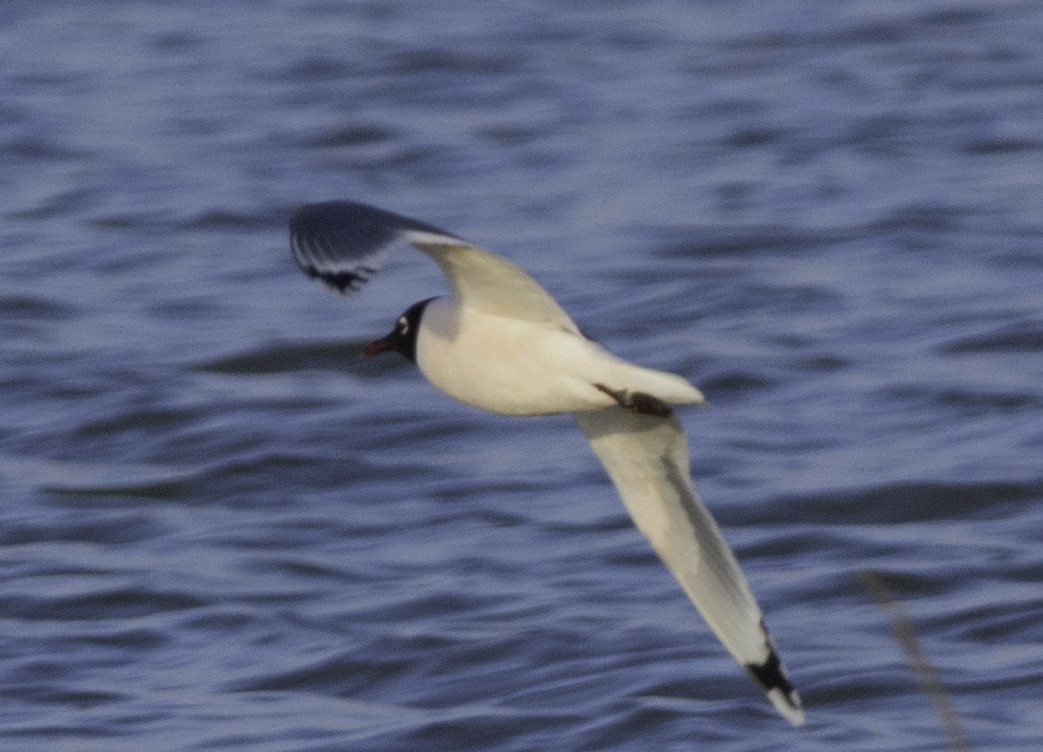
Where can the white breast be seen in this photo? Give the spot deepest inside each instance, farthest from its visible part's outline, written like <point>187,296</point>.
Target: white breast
<point>517,367</point>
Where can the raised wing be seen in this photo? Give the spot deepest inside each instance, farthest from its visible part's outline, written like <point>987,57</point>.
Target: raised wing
<point>647,459</point>
<point>342,244</point>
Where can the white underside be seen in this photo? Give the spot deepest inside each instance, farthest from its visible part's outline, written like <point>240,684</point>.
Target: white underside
<point>647,459</point>
<point>521,367</point>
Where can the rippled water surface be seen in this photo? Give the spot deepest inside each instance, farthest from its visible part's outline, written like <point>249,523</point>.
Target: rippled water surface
<point>222,529</point>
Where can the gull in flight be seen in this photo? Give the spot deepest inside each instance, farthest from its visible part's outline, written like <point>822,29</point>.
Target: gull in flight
<point>501,343</point>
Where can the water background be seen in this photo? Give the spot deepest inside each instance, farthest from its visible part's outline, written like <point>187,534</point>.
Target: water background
<point>221,529</point>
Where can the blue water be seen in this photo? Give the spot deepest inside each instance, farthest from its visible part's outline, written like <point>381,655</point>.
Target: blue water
<point>220,529</point>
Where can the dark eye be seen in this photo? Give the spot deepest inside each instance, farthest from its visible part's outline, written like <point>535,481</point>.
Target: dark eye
<point>403,325</point>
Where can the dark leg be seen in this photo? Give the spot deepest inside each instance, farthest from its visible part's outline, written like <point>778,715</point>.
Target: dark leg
<point>638,402</point>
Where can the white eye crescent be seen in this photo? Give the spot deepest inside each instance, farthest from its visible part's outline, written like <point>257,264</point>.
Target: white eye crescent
<point>403,325</point>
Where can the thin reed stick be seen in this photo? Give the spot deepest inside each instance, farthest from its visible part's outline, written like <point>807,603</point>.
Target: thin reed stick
<point>931,686</point>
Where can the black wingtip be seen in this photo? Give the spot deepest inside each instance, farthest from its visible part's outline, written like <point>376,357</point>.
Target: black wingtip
<point>771,676</point>
<point>343,282</point>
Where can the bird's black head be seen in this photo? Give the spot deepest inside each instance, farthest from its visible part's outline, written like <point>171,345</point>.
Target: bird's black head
<point>402,338</point>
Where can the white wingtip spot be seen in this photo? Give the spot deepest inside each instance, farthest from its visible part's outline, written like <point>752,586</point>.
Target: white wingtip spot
<point>788,706</point>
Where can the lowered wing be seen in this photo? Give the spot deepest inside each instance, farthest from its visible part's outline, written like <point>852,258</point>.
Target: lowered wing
<point>647,459</point>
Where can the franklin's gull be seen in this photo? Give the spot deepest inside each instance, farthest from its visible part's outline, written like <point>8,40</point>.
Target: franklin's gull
<point>501,343</point>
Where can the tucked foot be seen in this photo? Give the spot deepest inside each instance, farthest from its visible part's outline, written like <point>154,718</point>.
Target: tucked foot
<point>638,402</point>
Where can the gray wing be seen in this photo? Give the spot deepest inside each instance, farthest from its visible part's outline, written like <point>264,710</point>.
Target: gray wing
<point>647,459</point>
<point>343,243</point>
